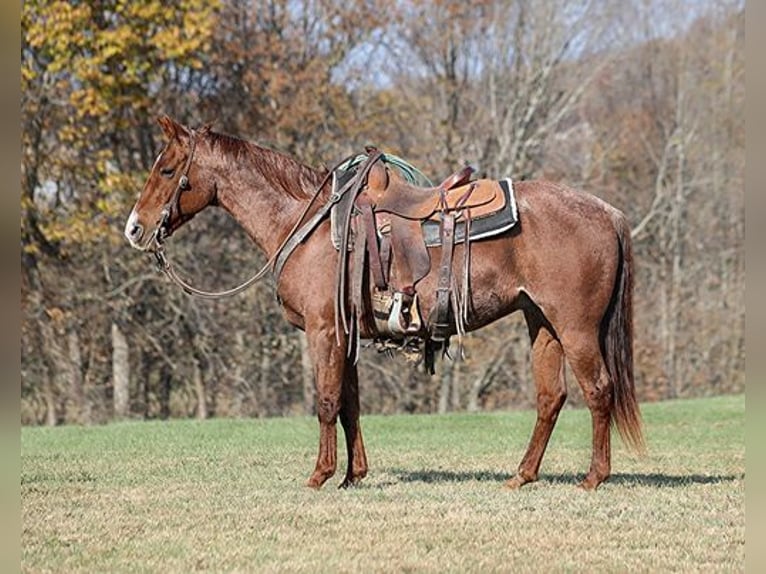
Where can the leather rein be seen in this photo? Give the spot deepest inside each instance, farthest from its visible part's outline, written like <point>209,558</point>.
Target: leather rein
<point>295,237</point>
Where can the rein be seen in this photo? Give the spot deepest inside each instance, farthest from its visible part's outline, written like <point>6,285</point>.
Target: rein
<point>295,236</point>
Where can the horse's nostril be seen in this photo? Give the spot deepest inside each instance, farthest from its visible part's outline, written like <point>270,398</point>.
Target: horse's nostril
<point>135,232</point>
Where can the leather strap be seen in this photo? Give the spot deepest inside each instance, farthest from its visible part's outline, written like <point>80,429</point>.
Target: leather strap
<point>359,258</point>
<point>299,237</point>
<point>465,196</point>
<point>376,263</point>
<point>440,330</point>
<point>354,186</point>
<point>465,294</point>
<point>385,257</point>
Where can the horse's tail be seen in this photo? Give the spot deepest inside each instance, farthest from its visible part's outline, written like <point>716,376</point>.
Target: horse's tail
<point>618,345</point>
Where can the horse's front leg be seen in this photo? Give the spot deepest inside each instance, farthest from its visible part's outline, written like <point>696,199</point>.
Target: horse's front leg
<point>349,418</point>
<point>329,361</point>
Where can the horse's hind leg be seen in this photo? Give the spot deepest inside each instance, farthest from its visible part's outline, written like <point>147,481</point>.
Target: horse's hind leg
<point>349,418</point>
<point>550,384</point>
<point>584,355</point>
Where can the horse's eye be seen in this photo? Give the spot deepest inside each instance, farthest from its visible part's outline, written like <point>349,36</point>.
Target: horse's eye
<point>167,171</point>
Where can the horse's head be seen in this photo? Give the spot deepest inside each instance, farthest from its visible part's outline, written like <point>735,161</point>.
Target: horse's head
<point>176,190</point>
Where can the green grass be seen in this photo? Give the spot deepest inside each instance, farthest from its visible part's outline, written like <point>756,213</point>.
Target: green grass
<point>228,495</point>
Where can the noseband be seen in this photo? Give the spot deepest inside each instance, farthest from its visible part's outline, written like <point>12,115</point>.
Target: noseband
<point>173,206</point>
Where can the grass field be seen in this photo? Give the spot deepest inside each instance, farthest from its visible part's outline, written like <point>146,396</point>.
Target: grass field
<point>228,495</point>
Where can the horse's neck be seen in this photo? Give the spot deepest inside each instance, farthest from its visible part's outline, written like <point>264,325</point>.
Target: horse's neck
<point>260,204</point>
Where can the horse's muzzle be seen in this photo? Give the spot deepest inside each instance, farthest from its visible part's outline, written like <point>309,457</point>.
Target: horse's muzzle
<point>136,233</point>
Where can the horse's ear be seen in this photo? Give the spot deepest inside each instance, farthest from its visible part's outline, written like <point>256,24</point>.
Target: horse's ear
<point>169,126</point>
<point>172,129</point>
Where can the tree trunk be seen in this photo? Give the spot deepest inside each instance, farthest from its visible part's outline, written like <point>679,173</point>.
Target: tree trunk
<point>456,386</point>
<point>199,390</point>
<point>445,386</point>
<point>238,400</point>
<point>166,378</point>
<point>57,368</point>
<point>50,398</point>
<point>665,319</point>
<point>120,373</point>
<point>264,379</point>
<point>142,384</point>
<point>77,410</point>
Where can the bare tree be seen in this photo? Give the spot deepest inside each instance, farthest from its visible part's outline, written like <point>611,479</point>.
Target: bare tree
<point>120,372</point>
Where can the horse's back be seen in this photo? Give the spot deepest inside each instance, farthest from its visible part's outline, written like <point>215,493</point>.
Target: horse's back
<point>555,202</point>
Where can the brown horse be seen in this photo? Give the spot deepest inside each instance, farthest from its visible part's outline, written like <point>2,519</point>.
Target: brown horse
<point>567,266</point>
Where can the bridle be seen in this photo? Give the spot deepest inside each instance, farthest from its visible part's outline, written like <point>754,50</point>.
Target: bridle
<point>173,206</point>
<point>294,238</point>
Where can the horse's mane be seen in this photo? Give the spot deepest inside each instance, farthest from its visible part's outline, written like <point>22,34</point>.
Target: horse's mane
<point>277,168</point>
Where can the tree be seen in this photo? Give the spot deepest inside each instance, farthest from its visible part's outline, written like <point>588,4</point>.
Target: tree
<point>91,73</point>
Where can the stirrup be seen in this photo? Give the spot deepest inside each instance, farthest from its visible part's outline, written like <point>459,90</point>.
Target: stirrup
<point>404,317</point>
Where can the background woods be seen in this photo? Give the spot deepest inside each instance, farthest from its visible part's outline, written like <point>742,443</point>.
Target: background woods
<point>638,102</point>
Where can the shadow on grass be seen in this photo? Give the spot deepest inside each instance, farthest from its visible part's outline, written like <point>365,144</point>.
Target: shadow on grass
<point>658,480</point>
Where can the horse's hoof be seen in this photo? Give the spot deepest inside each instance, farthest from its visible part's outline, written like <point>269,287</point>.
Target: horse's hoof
<point>515,482</point>
<point>316,481</point>
<point>350,482</point>
<point>591,483</point>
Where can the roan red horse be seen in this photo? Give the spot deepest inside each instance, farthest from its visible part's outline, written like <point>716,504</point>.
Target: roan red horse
<point>567,266</point>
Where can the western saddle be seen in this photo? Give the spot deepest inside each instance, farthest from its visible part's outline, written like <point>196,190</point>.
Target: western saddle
<point>378,221</point>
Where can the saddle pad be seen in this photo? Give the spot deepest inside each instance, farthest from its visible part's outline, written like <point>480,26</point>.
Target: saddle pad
<point>481,227</point>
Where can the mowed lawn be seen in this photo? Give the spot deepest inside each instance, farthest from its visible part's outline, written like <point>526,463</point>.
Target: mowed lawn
<point>228,495</point>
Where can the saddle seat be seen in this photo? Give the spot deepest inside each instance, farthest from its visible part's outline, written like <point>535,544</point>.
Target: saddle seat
<point>390,193</point>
